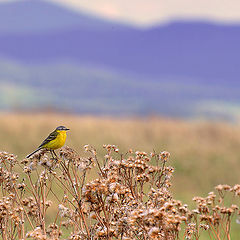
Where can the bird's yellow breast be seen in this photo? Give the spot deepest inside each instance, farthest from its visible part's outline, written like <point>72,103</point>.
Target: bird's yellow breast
<point>58,142</point>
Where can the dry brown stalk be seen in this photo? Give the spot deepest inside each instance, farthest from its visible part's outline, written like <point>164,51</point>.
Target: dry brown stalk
<point>130,199</point>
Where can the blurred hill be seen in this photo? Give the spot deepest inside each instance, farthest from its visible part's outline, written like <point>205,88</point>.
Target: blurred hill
<point>54,56</point>
<point>38,16</point>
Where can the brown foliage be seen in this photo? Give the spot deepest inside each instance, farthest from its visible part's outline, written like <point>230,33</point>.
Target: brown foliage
<point>128,199</point>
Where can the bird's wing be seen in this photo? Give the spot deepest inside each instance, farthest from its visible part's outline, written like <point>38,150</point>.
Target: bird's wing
<point>50,137</point>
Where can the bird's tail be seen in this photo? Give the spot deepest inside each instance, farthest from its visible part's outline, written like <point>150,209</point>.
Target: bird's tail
<point>29,155</point>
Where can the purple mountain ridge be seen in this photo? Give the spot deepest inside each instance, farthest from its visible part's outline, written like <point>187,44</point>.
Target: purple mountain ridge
<point>199,50</point>
<point>40,33</point>
<point>38,16</point>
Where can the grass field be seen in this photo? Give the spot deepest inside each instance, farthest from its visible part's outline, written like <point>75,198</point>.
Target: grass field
<point>203,154</point>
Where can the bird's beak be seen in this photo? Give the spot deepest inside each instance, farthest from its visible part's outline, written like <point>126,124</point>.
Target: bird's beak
<point>67,129</point>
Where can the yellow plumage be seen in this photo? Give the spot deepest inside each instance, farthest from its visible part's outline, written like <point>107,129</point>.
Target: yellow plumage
<point>58,142</point>
<point>55,140</point>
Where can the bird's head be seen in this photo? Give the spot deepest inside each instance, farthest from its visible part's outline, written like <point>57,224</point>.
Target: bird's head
<point>62,128</point>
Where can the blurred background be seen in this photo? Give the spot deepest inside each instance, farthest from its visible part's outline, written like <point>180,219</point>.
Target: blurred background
<point>148,75</point>
<point>115,57</point>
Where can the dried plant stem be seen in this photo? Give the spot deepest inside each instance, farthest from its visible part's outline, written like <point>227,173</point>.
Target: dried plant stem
<point>130,199</point>
<point>19,199</point>
<point>84,220</point>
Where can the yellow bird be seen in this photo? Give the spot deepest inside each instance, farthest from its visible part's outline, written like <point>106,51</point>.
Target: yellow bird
<point>55,140</point>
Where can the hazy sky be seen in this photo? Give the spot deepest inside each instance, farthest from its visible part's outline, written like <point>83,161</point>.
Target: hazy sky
<point>152,11</point>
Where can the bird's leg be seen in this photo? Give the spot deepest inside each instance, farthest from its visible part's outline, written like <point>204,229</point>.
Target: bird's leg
<point>55,154</point>
<point>51,151</point>
<point>58,160</point>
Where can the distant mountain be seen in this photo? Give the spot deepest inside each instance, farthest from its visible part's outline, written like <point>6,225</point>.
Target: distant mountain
<point>197,50</point>
<point>92,65</point>
<point>38,16</point>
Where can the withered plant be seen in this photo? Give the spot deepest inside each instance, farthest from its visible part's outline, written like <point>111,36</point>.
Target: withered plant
<point>123,196</point>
